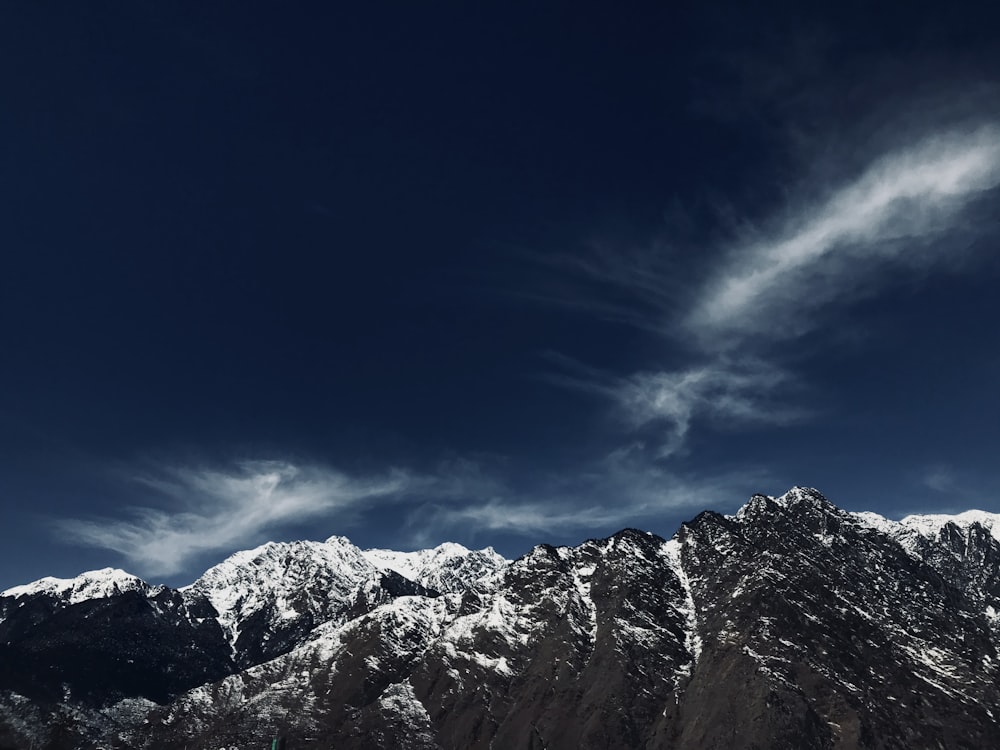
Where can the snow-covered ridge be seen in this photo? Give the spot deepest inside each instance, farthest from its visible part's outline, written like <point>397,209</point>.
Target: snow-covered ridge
<point>276,574</point>
<point>299,584</point>
<point>410,564</point>
<point>94,584</point>
<point>289,579</point>
<point>801,495</point>
<point>795,498</point>
<point>447,568</point>
<point>324,635</point>
<point>878,522</point>
<point>923,525</point>
<point>930,525</point>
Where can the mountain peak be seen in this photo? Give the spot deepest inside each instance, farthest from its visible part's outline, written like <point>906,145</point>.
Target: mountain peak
<point>93,584</point>
<point>930,525</point>
<point>798,497</point>
<point>796,500</point>
<point>338,541</point>
<point>810,627</point>
<point>447,568</point>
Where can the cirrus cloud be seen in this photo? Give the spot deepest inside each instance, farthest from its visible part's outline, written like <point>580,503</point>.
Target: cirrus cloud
<point>772,285</point>
<point>907,213</point>
<point>212,510</point>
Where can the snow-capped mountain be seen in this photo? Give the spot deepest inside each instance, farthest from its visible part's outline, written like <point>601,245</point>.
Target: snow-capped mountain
<point>790,624</point>
<point>931,525</point>
<point>95,584</point>
<point>104,636</point>
<point>448,568</point>
<point>269,598</point>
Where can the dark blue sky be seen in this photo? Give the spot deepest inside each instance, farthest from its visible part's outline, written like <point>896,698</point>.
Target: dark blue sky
<point>497,275</point>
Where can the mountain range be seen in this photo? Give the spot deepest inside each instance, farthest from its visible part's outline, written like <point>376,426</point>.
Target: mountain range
<point>790,624</point>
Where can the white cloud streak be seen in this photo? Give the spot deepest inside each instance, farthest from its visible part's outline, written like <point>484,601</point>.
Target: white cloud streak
<point>217,511</point>
<point>624,489</point>
<point>724,392</point>
<point>768,288</point>
<point>774,284</point>
<point>220,510</point>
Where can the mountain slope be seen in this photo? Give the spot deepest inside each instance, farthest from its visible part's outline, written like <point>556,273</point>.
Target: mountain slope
<point>127,639</point>
<point>269,598</point>
<point>838,637</point>
<point>792,624</point>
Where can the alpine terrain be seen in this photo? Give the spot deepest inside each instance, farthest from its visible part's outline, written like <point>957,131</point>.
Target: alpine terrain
<point>791,624</point>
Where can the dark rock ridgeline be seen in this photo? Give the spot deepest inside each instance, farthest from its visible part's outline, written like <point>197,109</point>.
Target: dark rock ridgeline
<point>790,625</point>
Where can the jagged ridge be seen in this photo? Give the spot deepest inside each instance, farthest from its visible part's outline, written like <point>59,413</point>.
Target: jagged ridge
<point>790,624</point>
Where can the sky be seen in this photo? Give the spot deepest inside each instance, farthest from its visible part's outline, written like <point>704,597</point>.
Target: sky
<point>499,274</point>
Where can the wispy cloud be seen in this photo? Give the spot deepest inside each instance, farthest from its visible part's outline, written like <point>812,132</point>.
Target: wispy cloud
<point>774,281</point>
<point>773,284</point>
<point>725,392</point>
<point>212,510</point>
<point>961,488</point>
<point>940,479</point>
<point>623,489</point>
<point>953,489</point>
<point>216,511</point>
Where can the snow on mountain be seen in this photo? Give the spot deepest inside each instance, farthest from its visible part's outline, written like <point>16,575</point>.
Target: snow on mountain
<point>331,673</point>
<point>819,601</point>
<point>270,597</point>
<point>447,568</point>
<point>930,525</point>
<point>926,536</point>
<point>279,586</point>
<point>673,553</point>
<point>798,496</point>
<point>800,624</point>
<point>877,522</point>
<point>395,673</point>
<point>94,584</point>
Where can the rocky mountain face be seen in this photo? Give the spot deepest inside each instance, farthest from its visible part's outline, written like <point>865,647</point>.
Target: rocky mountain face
<point>792,624</point>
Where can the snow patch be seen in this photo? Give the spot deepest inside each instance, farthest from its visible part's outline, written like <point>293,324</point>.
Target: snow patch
<point>94,584</point>
<point>581,582</point>
<point>692,640</point>
<point>447,568</point>
<point>877,522</point>
<point>930,525</point>
<point>280,577</point>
